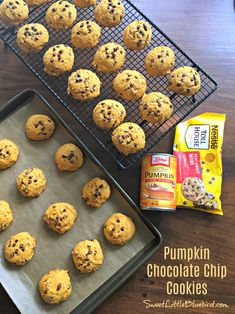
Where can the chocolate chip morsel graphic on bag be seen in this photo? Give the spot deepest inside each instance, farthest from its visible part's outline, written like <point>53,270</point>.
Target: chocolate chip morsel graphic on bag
<point>198,147</point>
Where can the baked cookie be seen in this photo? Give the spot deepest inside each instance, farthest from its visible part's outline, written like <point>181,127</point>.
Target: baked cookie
<point>20,248</point>
<point>128,138</point>
<point>208,201</point>
<point>14,12</point>
<point>55,286</point>
<point>184,81</point>
<point>8,153</point>
<point>37,2</point>
<point>137,35</point>
<point>87,256</point>
<point>32,37</point>
<point>130,85</point>
<point>96,192</point>
<point>155,108</point>
<point>6,215</point>
<point>58,60</point>
<point>39,127</point>
<point>109,58</point>
<point>83,85</point>
<point>61,15</point>
<point>119,229</point>
<point>84,3</point>
<point>85,34</point>
<point>109,113</point>
<point>69,157</point>
<point>159,61</point>
<point>31,182</point>
<point>109,12</point>
<point>193,188</point>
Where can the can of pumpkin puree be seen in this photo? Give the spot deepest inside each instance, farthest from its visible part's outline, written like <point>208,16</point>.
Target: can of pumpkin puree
<point>158,182</point>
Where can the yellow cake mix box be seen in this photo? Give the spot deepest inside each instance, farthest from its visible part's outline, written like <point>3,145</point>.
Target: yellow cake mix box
<point>198,148</point>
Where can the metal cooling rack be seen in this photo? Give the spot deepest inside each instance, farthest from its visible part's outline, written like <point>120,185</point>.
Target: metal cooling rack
<point>82,111</point>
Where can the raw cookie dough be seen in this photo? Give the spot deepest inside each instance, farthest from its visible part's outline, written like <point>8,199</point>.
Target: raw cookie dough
<point>130,85</point>
<point>109,12</point>
<point>159,61</point>
<point>128,138</point>
<point>8,153</point>
<point>55,286</point>
<point>109,58</point>
<point>87,256</point>
<point>193,188</point>
<point>31,182</point>
<point>83,85</point>
<point>69,157</point>
<point>184,81</point>
<point>58,59</point>
<point>6,215</point>
<point>39,127</point>
<point>85,34</point>
<point>95,192</point>
<point>119,229</point>
<point>155,108</point>
<point>37,2</point>
<point>84,3</point>
<point>20,248</point>
<point>137,35</point>
<point>14,12</point>
<point>109,113</point>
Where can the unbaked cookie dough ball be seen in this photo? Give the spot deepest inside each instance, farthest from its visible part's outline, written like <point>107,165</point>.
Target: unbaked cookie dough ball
<point>20,248</point>
<point>69,157</point>
<point>84,3</point>
<point>96,192</point>
<point>155,108</point>
<point>109,12</point>
<point>14,12</point>
<point>58,59</point>
<point>137,35</point>
<point>6,215</point>
<point>55,286</point>
<point>37,2</point>
<point>87,256</point>
<point>83,85</point>
<point>130,85</point>
<point>128,138</point>
<point>119,229</point>
<point>61,15</point>
<point>39,127</point>
<point>85,34</point>
<point>31,182</point>
<point>184,81</point>
<point>109,113</point>
<point>159,61</point>
<point>8,153</point>
<point>109,58</point>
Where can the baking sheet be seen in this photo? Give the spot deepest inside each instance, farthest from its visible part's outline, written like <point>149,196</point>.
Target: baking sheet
<point>54,250</point>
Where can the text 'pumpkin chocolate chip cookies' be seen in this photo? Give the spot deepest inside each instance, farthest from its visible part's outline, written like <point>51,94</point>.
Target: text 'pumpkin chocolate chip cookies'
<point>155,108</point>
<point>108,114</point>
<point>85,34</point>
<point>119,229</point>
<point>109,12</point>
<point>6,215</point>
<point>137,35</point>
<point>84,3</point>
<point>87,256</point>
<point>31,182</point>
<point>128,138</point>
<point>8,153</point>
<point>109,58</point>
<point>83,85</point>
<point>95,192</point>
<point>55,286</point>
<point>37,2</point>
<point>39,127</point>
<point>69,157</point>
<point>61,15</point>
<point>60,217</point>
<point>159,61</point>
<point>20,248</point>
<point>58,60</point>
<point>184,81</point>
<point>14,12</point>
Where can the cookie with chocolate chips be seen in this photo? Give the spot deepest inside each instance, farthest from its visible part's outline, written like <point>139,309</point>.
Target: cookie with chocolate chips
<point>85,34</point>
<point>109,12</point>
<point>96,192</point>
<point>39,127</point>
<point>69,157</point>
<point>6,215</point>
<point>8,153</point>
<point>193,189</point>
<point>84,3</point>
<point>13,12</point>
<point>31,182</point>
<point>159,61</point>
<point>137,35</point>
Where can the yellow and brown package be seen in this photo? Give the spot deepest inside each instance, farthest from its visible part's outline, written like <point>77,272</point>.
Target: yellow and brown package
<point>198,148</point>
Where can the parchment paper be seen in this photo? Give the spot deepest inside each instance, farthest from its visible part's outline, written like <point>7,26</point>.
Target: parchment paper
<point>54,250</point>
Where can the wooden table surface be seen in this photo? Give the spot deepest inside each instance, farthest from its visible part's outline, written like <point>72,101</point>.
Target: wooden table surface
<point>205,30</point>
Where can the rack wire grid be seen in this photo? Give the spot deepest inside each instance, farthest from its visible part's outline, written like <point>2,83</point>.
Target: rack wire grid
<point>82,111</point>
